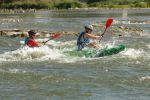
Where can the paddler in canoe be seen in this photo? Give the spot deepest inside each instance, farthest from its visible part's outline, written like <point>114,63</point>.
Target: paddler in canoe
<point>86,38</point>
<point>30,41</point>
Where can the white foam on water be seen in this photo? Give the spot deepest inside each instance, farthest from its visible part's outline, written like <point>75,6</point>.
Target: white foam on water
<point>37,54</point>
<point>14,70</point>
<point>144,78</point>
<point>133,53</point>
<point>129,22</point>
<point>110,44</point>
<point>148,46</point>
<point>46,53</point>
<point>27,53</point>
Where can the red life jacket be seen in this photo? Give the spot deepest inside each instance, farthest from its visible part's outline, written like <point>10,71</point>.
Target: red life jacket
<point>31,42</point>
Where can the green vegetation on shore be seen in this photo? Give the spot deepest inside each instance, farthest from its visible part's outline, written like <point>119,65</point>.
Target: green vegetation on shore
<point>65,4</point>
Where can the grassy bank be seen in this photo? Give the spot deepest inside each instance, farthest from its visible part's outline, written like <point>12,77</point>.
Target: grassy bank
<point>65,4</point>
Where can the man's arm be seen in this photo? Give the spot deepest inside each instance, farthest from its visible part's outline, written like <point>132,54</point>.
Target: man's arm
<point>93,36</point>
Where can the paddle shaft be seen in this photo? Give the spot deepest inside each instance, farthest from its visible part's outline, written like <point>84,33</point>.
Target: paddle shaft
<point>103,34</point>
<point>53,37</point>
<point>47,41</point>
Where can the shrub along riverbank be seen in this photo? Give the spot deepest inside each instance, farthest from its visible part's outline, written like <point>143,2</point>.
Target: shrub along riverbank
<point>65,4</point>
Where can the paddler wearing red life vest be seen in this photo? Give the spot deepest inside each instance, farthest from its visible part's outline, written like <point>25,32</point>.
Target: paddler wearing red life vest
<point>30,41</point>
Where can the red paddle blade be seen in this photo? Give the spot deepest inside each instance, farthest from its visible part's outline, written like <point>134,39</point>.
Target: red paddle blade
<point>108,23</point>
<point>55,36</point>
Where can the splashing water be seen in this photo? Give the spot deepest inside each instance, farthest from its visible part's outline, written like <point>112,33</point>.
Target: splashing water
<point>27,53</point>
<point>133,53</point>
<point>64,52</point>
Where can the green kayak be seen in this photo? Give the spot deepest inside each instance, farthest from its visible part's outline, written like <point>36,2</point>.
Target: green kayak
<point>96,53</point>
<point>111,51</point>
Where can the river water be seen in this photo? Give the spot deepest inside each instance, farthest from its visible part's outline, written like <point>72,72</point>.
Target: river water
<point>45,73</point>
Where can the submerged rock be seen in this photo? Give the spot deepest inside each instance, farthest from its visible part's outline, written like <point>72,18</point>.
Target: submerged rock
<point>21,33</point>
<point>114,29</point>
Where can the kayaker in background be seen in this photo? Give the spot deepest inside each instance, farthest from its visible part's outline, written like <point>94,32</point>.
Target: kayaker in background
<point>30,41</point>
<point>86,38</point>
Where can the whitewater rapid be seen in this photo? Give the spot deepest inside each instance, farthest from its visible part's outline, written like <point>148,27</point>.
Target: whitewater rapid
<point>54,53</point>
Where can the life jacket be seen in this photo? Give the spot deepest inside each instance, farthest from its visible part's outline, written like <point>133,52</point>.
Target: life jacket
<point>81,41</point>
<point>30,42</point>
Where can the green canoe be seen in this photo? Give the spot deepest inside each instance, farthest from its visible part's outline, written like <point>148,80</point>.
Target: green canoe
<point>96,53</point>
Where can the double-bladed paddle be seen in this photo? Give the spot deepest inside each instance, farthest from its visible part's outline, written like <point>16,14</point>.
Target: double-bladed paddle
<point>107,25</point>
<point>53,37</point>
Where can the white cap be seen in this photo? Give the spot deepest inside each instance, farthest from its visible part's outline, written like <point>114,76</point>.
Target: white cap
<point>89,27</point>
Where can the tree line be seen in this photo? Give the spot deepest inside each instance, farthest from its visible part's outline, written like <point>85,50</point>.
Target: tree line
<point>65,4</point>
